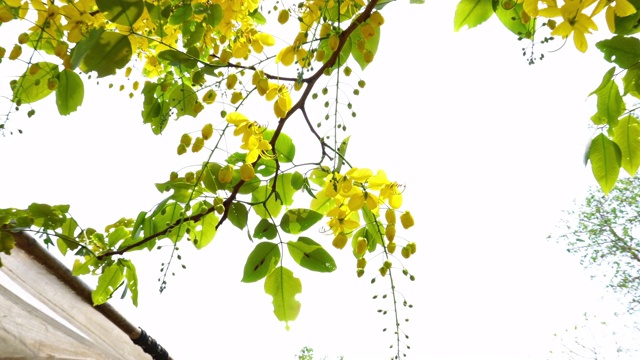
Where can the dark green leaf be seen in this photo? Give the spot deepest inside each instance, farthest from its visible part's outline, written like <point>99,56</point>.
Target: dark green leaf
<point>238,215</point>
<point>122,12</point>
<point>262,260</point>
<point>111,52</point>
<point>265,230</point>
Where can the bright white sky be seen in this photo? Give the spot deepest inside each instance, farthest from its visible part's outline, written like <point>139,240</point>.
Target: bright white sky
<point>490,149</point>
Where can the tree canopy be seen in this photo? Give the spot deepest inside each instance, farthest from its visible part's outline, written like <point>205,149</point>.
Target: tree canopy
<point>186,59</point>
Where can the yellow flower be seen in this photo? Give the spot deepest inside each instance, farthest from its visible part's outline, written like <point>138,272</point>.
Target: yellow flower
<point>575,21</point>
<point>621,8</point>
<point>251,133</point>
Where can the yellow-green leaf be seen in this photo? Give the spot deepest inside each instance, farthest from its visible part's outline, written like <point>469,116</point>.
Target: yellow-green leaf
<point>295,221</point>
<point>605,158</point>
<point>472,13</point>
<point>610,105</point>
<point>108,282</point>
<point>627,136</point>
<point>283,287</point>
<point>111,51</point>
<point>32,87</point>
<point>123,12</point>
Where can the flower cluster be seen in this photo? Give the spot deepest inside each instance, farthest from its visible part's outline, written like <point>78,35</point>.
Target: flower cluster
<point>251,133</point>
<point>574,19</point>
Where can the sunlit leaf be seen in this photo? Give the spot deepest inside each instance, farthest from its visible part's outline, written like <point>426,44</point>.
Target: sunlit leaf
<point>205,230</point>
<point>268,205</point>
<point>472,13</point>
<point>371,44</point>
<point>131,276</point>
<point>610,105</point>
<point>511,18</point>
<point>295,221</point>
<point>261,262</point>
<point>311,255</point>
<point>283,287</point>
<point>33,87</point>
<point>183,99</point>
<point>627,136</point>
<point>284,146</point>
<point>605,159</point>
<point>108,282</point>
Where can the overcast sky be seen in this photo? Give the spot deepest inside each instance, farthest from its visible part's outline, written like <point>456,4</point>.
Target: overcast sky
<point>489,147</point>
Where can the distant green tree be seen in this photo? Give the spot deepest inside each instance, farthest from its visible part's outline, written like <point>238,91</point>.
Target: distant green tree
<point>605,233</point>
<point>306,353</point>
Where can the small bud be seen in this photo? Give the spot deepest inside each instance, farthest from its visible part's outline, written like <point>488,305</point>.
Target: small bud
<point>407,220</point>
<point>340,241</point>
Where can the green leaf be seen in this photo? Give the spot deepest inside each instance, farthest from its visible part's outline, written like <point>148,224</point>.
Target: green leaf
<point>261,262</point>
<point>630,81</point>
<point>371,44</point>
<point>268,205</point>
<point>123,12</point>
<point>512,20</point>
<point>108,282</point>
<point>265,230</point>
<point>181,14</point>
<point>131,276</point>
<point>111,52</point>
<point>374,228</point>
<point>258,17</point>
<point>295,221</point>
<point>472,13</point>
<point>183,99</point>
<point>297,181</point>
<point>155,110</point>
<point>7,243</point>
<point>311,255</point>
<point>627,136</point>
<point>214,15</point>
<point>205,230</point>
<point>610,105</point>
<point>168,215</point>
<point>238,215</point>
<point>117,235</point>
<point>284,188</point>
<point>629,24</point>
<point>606,79</point>
<point>622,50</point>
<point>283,287</point>
<point>178,58</point>
<point>342,153</point>
<point>70,92</point>
<point>605,158</point>
<point>322,203</point>
<point>85,45</point>
<point>31,88</point>
<point>284,146</point>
